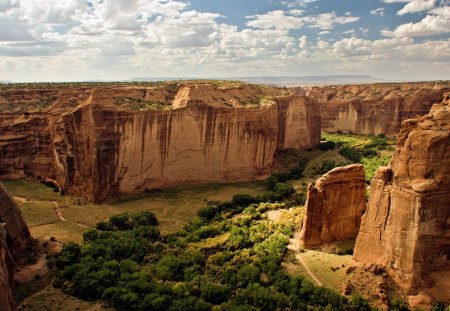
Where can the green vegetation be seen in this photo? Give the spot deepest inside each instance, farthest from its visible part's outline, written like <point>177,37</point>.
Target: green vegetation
<point>136,269</point>
<point>140,104</point>
<point>371,151</point>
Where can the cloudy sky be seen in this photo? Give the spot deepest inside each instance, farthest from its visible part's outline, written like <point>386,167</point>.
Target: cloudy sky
<point>69,40</point>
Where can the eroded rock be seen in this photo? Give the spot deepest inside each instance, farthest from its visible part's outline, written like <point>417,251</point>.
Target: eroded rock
<point>334,206</point>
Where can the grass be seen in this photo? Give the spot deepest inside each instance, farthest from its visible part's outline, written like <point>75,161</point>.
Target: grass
<point>330,269</point>
<point>38,213</point>
<point>173,207</point>
<point>381,146</point>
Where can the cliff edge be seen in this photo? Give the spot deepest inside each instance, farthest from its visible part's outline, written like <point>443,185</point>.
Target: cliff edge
<point>406,226</point>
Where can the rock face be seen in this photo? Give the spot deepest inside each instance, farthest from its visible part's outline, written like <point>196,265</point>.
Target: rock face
<point>6,274</point>
<point>17,233</point>
<point>406,226</point>
<point>334,206</point>
<point>97,142</point>
<point>375,108</point>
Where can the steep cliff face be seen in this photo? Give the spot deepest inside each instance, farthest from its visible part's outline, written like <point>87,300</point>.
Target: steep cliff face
<point>407,223</point>
<point>375,108</point>
<point>6,274</point>
<point>102,141</point>
<point>18,235</point>
<point>334,206</point>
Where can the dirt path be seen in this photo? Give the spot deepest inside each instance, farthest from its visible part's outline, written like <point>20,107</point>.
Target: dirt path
<point>59,211</point>
<point>60,215</point>
<point>294,246</point>
<point>27,300</point>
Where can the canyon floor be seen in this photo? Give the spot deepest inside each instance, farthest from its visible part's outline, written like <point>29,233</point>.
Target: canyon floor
<point>64,218</point>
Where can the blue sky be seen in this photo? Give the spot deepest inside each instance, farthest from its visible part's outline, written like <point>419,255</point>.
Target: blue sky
<point>70,40</point>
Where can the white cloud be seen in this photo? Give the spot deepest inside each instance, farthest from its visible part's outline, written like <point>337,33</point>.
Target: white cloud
<point>379,12</point>
<point>436,24</point>
<point>417,6</point>
<point>297,3</point>
<point>282,20</point>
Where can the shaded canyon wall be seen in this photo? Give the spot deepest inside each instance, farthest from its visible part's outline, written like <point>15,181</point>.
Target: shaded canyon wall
<point>375,108</point>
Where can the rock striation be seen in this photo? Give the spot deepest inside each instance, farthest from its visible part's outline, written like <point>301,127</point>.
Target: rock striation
<point>6,274</point>
<point>406,227</point>
<point>334,206</point>
<point>17,233</point>
<point>375,108</point>
<point>99,141</point>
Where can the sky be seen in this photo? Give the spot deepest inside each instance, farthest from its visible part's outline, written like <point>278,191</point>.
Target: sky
<point>79,40</point>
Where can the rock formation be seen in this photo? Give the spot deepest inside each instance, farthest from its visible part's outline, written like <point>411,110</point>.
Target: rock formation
<point>406,227</point>
<point>334,206</point>
<point>100,141</point>
<point>6,274</point>
<point>17,233</point>
<point>375,108</point>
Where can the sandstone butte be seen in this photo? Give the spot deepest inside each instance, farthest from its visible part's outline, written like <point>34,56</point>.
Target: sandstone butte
<point>406,227</point>
<point>98,141</point>
<point>375,108</point>
<point>14,238</point>
<point>334,206</point>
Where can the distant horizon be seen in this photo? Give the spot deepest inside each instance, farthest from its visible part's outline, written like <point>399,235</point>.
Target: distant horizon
<point>269,80</point>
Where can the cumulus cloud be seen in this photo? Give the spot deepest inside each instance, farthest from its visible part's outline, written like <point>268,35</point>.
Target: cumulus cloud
<point>436,23</point>
<point>417,6</point>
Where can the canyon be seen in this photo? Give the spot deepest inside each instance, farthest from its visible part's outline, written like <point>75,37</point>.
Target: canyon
<point>406,225</point>
<point>375,108</point>
<point>334,206</point>
<point>101,141</point>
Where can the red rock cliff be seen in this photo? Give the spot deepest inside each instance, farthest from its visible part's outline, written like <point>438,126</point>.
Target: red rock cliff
<point>6,274</point>
<point>407,223</point>
<point>334,206</point>
<point>101,141</point>
<point>375,108</point>
<point>18,235</point>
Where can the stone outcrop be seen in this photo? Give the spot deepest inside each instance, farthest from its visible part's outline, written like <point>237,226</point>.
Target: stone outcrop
<point>375,108</point>
<point>406,227</point>
<point>17,233</point>
<point>334,206</point>
<point>6,274</point>
<point>100,141</point>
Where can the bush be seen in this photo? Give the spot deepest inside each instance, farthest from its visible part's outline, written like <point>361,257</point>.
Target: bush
<point>351,154</point>
<point>327,145</point>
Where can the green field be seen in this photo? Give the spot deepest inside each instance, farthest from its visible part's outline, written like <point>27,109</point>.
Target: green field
<point>173,207</point>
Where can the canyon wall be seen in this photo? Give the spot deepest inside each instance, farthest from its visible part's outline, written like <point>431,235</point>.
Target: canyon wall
<point>6,274</point>
<point>334,206</point>
<point>375,108</point>
<point>406,226</point>
<point>99,142</point>
<point>18,235</point>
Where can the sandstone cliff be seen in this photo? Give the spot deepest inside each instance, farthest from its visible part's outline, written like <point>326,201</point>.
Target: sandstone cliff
<point>406,226</point>
<point>6,274</point>
<point>334,206</point>
<point>375,108</point>
<point>17,233</point>
<point>100,141</point>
